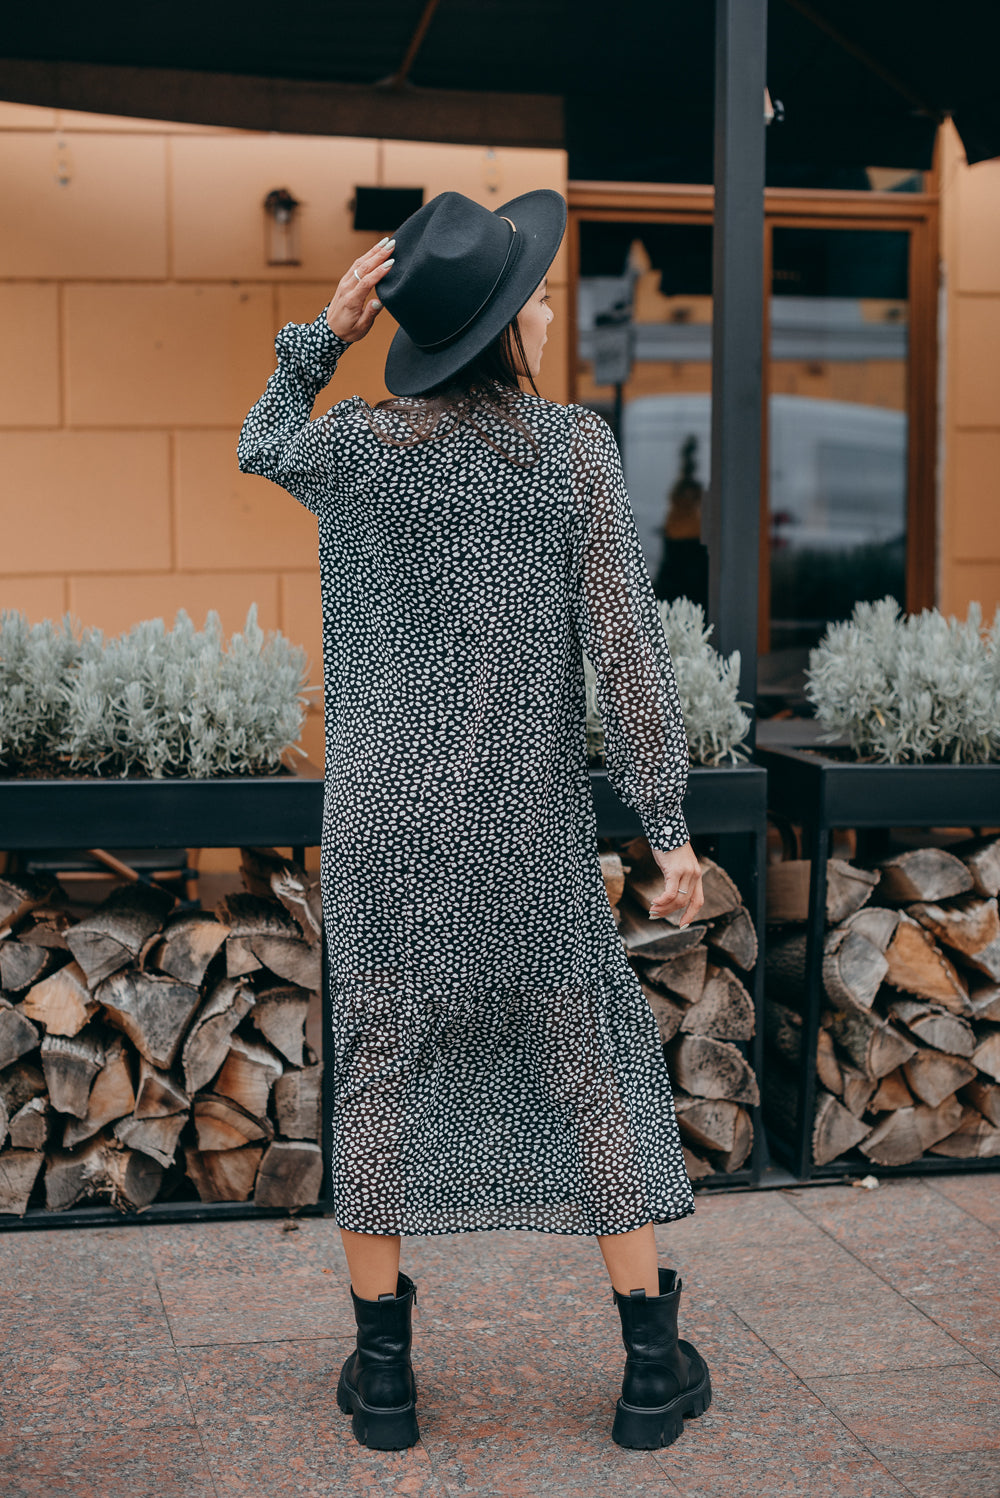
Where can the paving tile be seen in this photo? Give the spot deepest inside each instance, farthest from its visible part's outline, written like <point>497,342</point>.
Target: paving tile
<point>91,1259</point>
<point>166,1461</point>
<point>285,1459</point>
<point>74,1320</point>
<point>111,1390</point>
<point>788,1477</point>
<point>264,1380</point>
<point>255,1308</point>
<point>247,1247</point>
<point>977,1193</point>
<point>951,1474</point>
<point>919,1412</point>
<point>972,1319</point>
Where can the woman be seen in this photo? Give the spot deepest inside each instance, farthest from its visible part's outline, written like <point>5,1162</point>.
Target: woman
<point>496,1064</point>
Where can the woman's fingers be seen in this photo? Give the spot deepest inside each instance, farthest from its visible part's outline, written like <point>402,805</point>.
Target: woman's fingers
<point>351,312</point>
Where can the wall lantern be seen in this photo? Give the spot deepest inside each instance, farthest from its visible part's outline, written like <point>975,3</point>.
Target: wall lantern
<point>281,228</point>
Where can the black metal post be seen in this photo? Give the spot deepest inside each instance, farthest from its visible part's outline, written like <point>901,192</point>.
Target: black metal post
<point>817,840</point>
<point>731,520</point>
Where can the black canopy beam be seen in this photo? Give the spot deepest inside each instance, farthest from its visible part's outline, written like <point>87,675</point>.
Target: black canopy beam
<point>866,59</point>
<point>402,73</point>
<point>244,102</point>
<point>731,525</point>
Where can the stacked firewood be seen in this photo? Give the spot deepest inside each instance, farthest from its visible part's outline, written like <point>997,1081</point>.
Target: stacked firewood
<point>908,1059</point>
<point>702,1006</point>
<point>145,1045</point>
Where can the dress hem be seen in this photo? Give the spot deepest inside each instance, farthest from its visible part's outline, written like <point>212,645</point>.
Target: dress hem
<point>518,1227</point>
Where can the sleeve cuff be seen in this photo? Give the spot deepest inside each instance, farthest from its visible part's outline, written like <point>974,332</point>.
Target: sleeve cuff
<point>314,347</point>
<point>665,830</point>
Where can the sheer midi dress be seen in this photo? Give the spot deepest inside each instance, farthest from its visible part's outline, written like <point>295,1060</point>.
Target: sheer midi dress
<point>495,1062</point>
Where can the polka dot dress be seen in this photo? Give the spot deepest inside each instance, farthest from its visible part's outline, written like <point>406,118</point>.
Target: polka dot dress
<point>496,1064</point>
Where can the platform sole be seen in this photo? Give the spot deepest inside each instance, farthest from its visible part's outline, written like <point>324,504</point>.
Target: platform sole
<point>379,1429</point>
<point>645,1428</point>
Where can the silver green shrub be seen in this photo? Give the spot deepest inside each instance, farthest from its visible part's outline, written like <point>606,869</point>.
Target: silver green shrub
<point>909,687</point>
<point>158,701</point>
<point>34,662</point>
<point>707,684</point>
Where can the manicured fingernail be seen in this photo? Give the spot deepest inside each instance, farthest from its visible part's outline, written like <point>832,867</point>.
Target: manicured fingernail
<point>376,304</point>
<point>389,243</point>
<point>389,262</point>
<point>382,242</point>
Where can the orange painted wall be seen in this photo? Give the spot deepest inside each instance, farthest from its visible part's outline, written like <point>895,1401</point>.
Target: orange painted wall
<point>139,316</point>
<point>969,554</point>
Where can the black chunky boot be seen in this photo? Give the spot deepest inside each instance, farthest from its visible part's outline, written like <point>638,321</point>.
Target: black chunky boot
<point>665,1379</point>
<point>376,1382</point>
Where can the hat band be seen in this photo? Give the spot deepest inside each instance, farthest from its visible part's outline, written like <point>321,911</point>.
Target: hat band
<point>504,272</point>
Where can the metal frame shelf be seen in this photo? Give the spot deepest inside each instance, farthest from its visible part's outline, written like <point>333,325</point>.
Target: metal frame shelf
<point>286,811</point>
<point>822,793</point>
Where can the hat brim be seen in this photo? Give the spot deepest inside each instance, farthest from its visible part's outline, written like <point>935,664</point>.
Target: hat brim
<point>540,220</point>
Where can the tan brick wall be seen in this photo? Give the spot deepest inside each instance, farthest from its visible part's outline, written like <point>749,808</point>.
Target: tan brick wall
<point>139,315</point>
<point>970,426</point>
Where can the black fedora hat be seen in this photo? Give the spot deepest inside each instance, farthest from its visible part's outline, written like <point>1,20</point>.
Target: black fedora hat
<point>461,274</point>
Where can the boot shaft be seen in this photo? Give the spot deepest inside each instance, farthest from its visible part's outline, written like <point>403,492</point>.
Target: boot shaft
<point>656,1369</point>
<point>384,1371</point>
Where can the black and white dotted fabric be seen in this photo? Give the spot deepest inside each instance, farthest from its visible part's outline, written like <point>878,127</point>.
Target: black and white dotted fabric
<point>496,1064</point>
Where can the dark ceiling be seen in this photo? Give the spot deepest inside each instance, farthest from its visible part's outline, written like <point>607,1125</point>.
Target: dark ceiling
<point>863,82</point>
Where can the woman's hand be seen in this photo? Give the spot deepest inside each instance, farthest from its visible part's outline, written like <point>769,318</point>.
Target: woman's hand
<point>682,887</point>
<point>349,314</point>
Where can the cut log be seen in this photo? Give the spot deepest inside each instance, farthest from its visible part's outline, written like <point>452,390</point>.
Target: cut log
<point>255,915</point>
<point>22,893</point>
<point>875,923</point>
<point>904,1135</point>
<point>70,1064</point>
<point>101,1167</point>
<point>158,1094</point>
<point>934,1026</point>
<point>280,1015</point>
<point>111,1096</point>
<point>783,1035</point>
<point>828,1068</point>
<point>156,1137</point>
<point>981,857</point>
<point>986,1056</point>
<point>62,1003</point>
<point>207,1045</point>
<point>712,1068</point>
<point>974,1139</point>
<point>301,899</point>
<point>240,960</point>
<point>875,1047</point>
<point>613,875</point>
<point>707,1123</point>
<point>923,874</point>
<point>724,1010</point>
<point>290,958</point>
<point>858,1090</point>
<point>734,936</point>
<point>18,1035</point>
<point>970,925</point>
<point>985,1000</point>
<point>115,934</point>
<point>933,1076</point>
<point>985,1097</point>
<point>22,964</point>
<point>4,1123</point>
<point>892,1093</point>
<point>917,966</point>
<point>667,1014</point>
<point>189,942</point>
<point>19,1084</point>
<point>683,975</point>
<point>835,1129</point>
<point>853,969</point>
<point>785,967</point>
<point>153,1011</point>
<point>222,1124</point>
<point>734,1158</point>
<point>29,1126</point>
<point>18,1173</point>
<point>696,1167</point>
<point>290,1174</point>
<point>847,889</point>
<point>646,938</point>
<point>224,1175</point>
<point>259,865</point>
<point>297,1103</point>
<point>249,1072</point>
<point>48,930</point>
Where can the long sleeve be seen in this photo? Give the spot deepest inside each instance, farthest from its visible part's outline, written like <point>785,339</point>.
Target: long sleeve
<point>619,626</point>
<point>278,439</point>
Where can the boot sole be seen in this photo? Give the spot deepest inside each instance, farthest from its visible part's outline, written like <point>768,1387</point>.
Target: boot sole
<point>646,1428</point>
<point>378,1429</point>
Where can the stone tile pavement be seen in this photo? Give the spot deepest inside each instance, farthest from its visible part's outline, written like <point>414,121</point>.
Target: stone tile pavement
<point>853,1337</point>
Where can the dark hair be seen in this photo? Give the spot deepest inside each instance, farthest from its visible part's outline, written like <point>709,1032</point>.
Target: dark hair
<point>485,387</point>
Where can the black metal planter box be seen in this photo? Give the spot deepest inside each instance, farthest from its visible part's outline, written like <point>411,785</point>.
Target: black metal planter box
<point>286,811</point>
<point>821,792</point>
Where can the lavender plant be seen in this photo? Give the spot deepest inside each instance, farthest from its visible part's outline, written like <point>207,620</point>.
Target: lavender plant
<point>707,684</point>
<point>34,662</point>
<point>906,688</point>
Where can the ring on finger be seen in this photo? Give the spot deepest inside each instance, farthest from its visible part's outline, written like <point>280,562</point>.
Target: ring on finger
<point>356,276</point>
